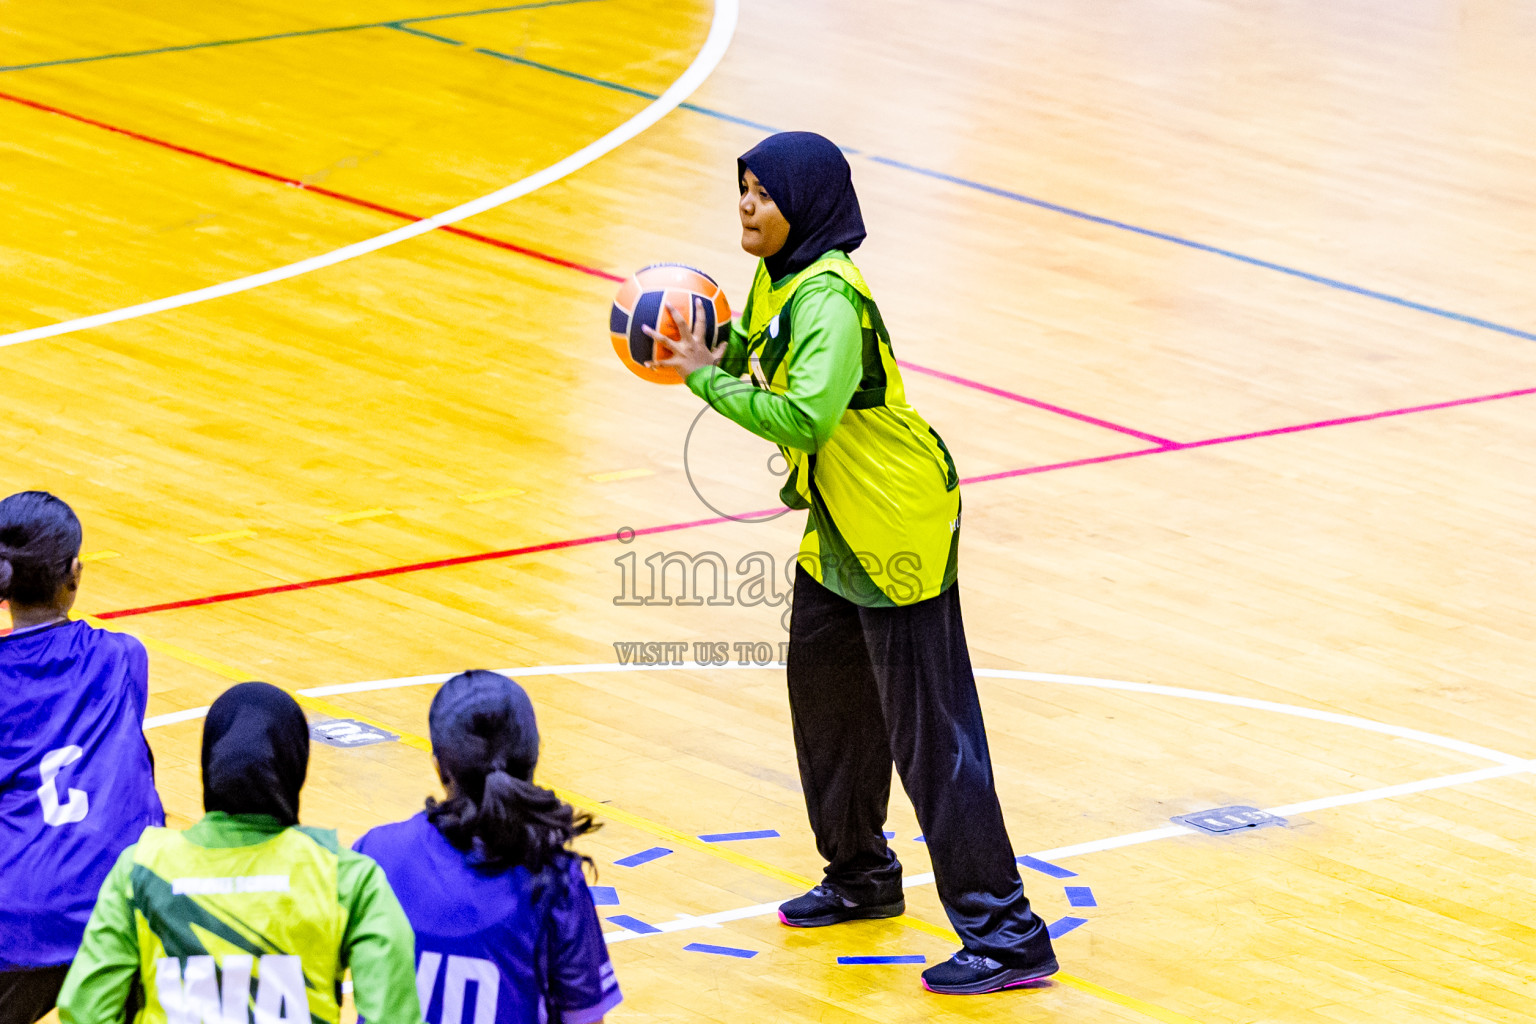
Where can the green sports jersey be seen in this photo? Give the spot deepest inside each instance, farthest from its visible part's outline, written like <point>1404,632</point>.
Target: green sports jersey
<point>882,490</point>
<point>240,919</point>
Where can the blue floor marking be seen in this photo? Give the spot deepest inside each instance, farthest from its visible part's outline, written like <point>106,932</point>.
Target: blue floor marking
<point>634,860</point>
<point>620,87</point>
<point>295,35</point>
<point>634,924</point>
<point>525,62</point>
<point>1054,870</point>
<point>730,837</point>
<point>604,895</point>
<point>1080,896</point>
<point>1043,204</point>
<point>704,947</point>
<point>1056,928</point>
<point>400,24</point>
<point>1202,247</point>
<point>914,958</point>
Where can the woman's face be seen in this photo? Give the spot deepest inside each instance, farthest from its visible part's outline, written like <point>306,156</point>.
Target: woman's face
<point>763,227</point>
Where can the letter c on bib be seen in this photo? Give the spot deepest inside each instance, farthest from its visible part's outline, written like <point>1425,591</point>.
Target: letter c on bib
<point>55,813</point>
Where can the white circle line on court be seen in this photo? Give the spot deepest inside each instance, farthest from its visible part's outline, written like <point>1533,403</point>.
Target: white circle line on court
<point>722,27</point>
<point>1505,764</point>
<point>1334,717</point>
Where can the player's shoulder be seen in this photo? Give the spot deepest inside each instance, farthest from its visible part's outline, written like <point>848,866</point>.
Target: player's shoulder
<point>382,841</point>
<point>124,643</point>
<point>825,286</point>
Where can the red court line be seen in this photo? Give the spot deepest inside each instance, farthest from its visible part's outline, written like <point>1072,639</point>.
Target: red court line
<point>441,563</point>
<point>513,247</point>
<point>329,193</point>
<point>486,556</point>
<point>1047,406</point>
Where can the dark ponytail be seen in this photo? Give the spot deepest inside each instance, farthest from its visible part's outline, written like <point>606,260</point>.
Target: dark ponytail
<point>39,542</point>
<point>486,742</point>
<point>514,822</point>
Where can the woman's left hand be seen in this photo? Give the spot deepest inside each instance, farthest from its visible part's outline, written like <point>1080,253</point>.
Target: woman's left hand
<point>691,350</point>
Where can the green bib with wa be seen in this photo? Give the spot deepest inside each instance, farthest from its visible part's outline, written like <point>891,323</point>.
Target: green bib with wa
<point>883,494</point>
<point>238,935</point>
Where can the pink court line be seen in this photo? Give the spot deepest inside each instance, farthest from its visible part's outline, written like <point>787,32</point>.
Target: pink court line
<point>1254,435</point>
<point>1161,442</point>
<point>487,556</point>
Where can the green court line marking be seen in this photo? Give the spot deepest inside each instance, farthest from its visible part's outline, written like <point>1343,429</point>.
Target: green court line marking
<point>397,23</point>
<point>401,26</point>
<point>719,115</point>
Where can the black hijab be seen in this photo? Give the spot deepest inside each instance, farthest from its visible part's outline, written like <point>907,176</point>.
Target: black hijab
<point>809,179</point>
<point>255,753</point>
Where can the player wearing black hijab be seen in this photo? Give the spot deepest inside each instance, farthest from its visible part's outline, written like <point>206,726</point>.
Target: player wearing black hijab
<point>247,907</point>
<point>879,670</point>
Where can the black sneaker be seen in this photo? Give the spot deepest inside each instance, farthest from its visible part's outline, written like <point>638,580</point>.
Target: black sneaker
<point>821,906</point>
<point>968,974</point>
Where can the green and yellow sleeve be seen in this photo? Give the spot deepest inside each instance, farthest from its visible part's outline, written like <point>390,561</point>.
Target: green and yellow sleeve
<point>378,943</point>
<point>825,364</point>
<point>96,988</point>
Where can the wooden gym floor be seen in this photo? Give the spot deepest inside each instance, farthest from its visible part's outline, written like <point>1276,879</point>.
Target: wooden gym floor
<point>1224,310</point>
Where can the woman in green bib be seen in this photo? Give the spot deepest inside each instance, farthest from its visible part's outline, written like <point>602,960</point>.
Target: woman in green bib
<point>878,665</point>
<point>247,917</point>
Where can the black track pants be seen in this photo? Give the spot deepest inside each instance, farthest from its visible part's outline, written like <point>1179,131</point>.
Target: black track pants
<point>27,993</point>
<point>872,686</point>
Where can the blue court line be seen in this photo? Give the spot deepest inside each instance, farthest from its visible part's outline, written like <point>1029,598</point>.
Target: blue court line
<point>730,837</point>
<point>621,87</point>
<point>296,34</point>
<point>1164,236</point>
<point>634,860</point>
<point>604,895</point>
<point>1056,929</point>
<point>915,958</point>
<point>1043,204</point>
<point>704,947</point>
<point>1080,896</point>
<point>401,26</point>
<point>1054,870</point>
<point>634,924</point>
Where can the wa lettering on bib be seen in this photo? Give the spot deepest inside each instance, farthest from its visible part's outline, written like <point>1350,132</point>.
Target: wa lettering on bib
<point>239,935</point>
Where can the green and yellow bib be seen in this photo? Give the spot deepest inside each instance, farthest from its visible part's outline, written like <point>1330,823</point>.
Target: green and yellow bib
<point>883,494</point>
<point>238,934</point>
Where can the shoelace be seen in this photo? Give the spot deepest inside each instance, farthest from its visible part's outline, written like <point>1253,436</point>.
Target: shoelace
<point>965,958</point>
<point>827,894</point>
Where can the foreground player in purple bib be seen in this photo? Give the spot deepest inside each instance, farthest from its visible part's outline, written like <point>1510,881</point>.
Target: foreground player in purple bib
<point>506,932</point>
<point>76,780</point>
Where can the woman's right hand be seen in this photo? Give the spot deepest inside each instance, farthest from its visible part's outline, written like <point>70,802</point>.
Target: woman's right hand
<point>690,351</point>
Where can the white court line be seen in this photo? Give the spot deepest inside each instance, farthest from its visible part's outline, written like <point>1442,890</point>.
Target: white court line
<point>721,28</point>
<point>688,923</point>
<point>1296,711</point>
<point>156,721</point>
<point>1504,764</point>
<point>1260,705</point>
